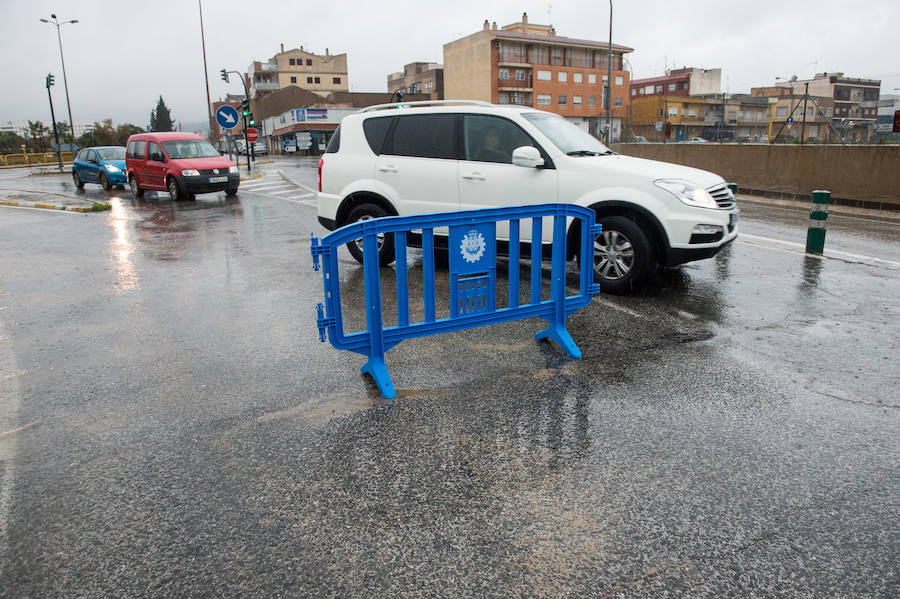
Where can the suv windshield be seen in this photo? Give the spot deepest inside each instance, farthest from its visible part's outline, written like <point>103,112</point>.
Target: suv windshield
<point>111,153</point>
<point>189,148</point>
<point>566,136</point>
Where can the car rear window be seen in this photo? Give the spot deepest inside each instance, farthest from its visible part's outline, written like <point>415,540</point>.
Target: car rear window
<point>424,136</point>
<point>334,144</point>
<point>376,130</point>
<point>136,149</point>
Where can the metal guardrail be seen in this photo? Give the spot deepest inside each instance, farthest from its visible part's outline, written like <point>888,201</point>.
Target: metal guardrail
<point>33,158</point>
<point>472,244</point>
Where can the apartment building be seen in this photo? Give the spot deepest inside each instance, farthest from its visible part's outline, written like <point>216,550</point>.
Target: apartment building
<point>687,81</point>
<point>321,74</point>
<point>855,102</point>
<point>530,65</point>
<point>418,78</point>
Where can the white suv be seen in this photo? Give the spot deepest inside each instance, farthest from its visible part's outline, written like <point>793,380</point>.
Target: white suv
<point>422,157</point>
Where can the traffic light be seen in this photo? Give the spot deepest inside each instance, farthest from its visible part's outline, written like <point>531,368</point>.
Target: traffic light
<point>245,107</point>
<point>224,75</point>
<point>250,119</point>
<point>50,79</point>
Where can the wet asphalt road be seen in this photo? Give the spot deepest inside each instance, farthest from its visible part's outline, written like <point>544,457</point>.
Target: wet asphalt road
<point>170,424</point>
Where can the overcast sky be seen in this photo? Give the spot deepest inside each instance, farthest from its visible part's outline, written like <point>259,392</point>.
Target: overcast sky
<point>123,54</point>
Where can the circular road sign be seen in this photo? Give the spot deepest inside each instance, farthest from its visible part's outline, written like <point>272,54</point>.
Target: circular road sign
<point>226,116</point>
<point>252,134</point>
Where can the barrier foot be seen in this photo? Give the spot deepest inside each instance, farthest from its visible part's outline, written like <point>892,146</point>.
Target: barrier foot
<point>377,369</point>
<point>561,336</point>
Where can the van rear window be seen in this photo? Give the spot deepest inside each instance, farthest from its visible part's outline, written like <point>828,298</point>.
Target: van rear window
<point>376,130</point>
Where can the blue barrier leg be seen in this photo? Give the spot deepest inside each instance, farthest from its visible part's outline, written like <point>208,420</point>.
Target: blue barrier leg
<point>375,367</point>
<point>557,329</point>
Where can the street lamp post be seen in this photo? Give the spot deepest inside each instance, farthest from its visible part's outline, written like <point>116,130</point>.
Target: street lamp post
<point>56,22</point>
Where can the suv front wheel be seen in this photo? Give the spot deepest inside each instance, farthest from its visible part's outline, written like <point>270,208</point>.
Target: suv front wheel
<point>385,242</point>
<point>623,255</point>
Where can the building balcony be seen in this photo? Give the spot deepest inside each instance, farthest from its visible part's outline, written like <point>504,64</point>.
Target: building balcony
<point>514,63</point>
<point>262,85</point>
<point>513,85</point>
<point>269,66</point>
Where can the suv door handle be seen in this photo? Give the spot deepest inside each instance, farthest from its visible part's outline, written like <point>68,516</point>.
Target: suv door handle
<point>387,169</point>
<point>474,177</point>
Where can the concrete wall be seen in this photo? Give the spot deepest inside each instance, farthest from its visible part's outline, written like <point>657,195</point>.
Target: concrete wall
<point>870,173</point>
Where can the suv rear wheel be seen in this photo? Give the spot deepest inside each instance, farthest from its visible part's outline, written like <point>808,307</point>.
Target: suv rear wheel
<point>623,255</point>
<point>385,242</point>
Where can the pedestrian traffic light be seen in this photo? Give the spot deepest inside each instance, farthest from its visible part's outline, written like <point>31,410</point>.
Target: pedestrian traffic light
<point>50,79</point>
<point>224,75</point>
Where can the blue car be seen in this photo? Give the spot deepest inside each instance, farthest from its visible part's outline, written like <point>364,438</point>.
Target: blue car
<point>104,165</point>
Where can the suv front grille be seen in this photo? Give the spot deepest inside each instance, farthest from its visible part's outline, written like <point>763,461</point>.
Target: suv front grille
<point>723,196</point>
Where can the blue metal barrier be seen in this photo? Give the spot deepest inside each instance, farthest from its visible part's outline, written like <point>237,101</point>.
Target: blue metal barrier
<point>472,245</point>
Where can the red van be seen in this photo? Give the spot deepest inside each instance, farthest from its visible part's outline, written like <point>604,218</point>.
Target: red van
<point>183,164</point>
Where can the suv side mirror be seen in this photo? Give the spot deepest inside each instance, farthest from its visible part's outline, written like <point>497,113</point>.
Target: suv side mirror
<point>527,156</point>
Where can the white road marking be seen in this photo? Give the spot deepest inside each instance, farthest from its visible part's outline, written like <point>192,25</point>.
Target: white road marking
<point>799,248</point>
<point>298,184</point>
<point>267,187</point>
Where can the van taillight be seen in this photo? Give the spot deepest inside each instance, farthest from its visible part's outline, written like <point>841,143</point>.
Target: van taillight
<point>320,173</point>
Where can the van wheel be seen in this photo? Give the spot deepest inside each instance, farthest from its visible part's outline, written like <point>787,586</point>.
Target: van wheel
<point>622,255</point>
<point>231,191</point>
<point>77,180</point>
<point>105,182</point>
<point>175,192</point>
<point>385,242</point>
<point>136,190</point>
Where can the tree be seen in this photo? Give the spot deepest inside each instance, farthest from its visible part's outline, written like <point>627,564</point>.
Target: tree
<point>11,143</point>
<point>36,131</point>
<point>126,130</point>
<point>161,118</point>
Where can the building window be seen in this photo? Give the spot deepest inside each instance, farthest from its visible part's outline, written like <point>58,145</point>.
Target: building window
<point>543,99</point>
<point>556,56</point>
<point>673,111</point>
<point>576,77</point>
<point>619,80</point>
<point>649,89</point>
<point>517,98</point>
<point>504,99</point>
<point>292,61</point>
<point>781,111</point>
<point>592,100</point>
<point>504,74</point>
<point>576,100</point>
<point>293,80</point>
<point>671,87</point>
<point>562,100</point>
<point>633,92</point>
<point>545,76</point>
<point>309,79</point>
<point>619,102</point>
<point>308,62</point>
<point>592,78</point>
<point>520,75</point>
<point>562,76</point>
<point>659,89</point>
<point>692,112</point>
<point>605,78</point>
<point>317,80</point>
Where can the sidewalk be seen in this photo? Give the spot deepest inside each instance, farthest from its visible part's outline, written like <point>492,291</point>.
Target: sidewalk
<point>49,201</point>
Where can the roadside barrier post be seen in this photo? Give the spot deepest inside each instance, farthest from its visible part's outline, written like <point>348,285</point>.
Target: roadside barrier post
<point>815,234</point>
<point>472,239</point>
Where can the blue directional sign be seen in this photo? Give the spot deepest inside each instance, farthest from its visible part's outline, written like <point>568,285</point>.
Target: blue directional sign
<point>790,120</point>
<point>226,116</point>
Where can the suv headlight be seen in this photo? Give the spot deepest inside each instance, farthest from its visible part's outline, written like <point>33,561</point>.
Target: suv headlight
<point>190,172</point>
<point>233,169</point>
<point>687,192</point>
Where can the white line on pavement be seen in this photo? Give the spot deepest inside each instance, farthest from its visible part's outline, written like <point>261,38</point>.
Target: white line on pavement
<point>798,248</point>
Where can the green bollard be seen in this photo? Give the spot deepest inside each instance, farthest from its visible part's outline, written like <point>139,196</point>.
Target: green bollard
<point>815,234</point>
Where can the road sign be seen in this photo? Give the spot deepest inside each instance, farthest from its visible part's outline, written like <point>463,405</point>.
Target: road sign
<point>790,120</point>
<point>252,134</point>
<point>303,136</point>
<point>226,116</point>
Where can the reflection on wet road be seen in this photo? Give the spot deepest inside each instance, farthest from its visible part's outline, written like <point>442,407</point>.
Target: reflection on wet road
<point>730,431</point>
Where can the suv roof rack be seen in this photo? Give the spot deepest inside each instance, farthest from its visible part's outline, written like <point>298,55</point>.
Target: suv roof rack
<point>396,105</point>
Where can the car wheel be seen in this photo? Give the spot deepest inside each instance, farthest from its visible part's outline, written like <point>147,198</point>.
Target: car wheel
<point>77,180</point>
<point>105,182</point>
<point>231,191</point>
<point>622,255</point>
<point>175,192</point>
<point>136,190</point>
<point>385,242</point>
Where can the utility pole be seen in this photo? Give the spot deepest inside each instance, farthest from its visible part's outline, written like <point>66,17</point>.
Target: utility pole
<point>205,70</point>
<point>245,109</point>
<point>53,120</point>
<point>803,125</point>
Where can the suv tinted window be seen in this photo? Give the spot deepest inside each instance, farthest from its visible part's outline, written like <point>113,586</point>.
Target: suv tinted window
<point>424,136</point>
<point>492,139</point>
<point>335,143</point>
<point>91,156</point>
<point>136,149</point>
<point>375,130</point>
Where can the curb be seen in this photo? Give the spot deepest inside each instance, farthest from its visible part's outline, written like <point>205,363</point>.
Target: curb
<point>49,206</point>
